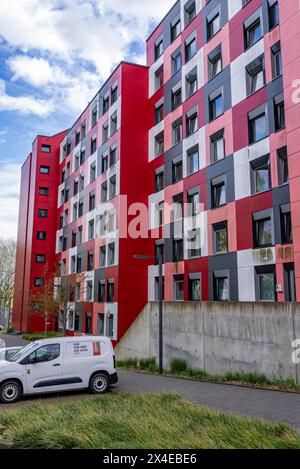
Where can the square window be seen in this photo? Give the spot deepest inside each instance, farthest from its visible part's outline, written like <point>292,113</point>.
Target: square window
<point>44,169</point>
<point>44,190</point>
<point>46,148</point>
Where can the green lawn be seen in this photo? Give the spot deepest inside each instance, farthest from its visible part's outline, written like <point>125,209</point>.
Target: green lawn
<point>137,421</point>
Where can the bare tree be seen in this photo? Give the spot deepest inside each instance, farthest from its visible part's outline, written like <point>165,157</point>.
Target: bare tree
<point>7,272</point>
<point>55,299</point>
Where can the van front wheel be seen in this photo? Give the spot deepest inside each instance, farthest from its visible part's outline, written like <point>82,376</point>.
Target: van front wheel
<point>99,383</point>
<point>10,392</point>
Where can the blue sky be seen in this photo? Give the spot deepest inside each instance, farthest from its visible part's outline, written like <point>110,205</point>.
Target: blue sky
<point>54,55</point>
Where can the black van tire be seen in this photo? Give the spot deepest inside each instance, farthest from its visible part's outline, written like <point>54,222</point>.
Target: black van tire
<point>99,383</point>
<point>10,392</point>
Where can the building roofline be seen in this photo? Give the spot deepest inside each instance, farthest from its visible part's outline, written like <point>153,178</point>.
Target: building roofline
<point>123,62</point>
<point>161,21</point>
<point>29,156</point>
<point>49,136</point>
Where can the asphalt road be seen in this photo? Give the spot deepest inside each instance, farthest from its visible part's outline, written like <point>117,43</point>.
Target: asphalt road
<point>271,405</point>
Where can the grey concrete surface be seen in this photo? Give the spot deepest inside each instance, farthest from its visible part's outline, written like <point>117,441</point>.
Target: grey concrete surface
<point>219,337</point>
<point>12,340</point>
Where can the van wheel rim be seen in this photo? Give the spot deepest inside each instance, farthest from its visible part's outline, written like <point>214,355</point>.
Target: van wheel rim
<point>10,392</point>
<point>99,383</point>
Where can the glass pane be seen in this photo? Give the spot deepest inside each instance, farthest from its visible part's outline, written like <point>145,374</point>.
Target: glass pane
<point>260,128</point>
<point>196,290</point>
<point>223,289</point>
<point>262,179</point>
<point>266,287</point>
<point>265,232</point>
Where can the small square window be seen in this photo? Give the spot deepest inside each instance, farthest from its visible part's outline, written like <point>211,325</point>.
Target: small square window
<point>46,148</point>
<point>44,190</point>
<point>44,169</point>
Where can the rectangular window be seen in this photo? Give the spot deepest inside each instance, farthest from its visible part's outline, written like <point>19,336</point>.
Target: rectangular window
<point>93,145</point>
<point>193,243</point>
<point>290,287</point>
<point>159,113</point>
<point>104,166</point>
<point>193,160</point>
<point>159,251</point>
<point>255,75</point>
<point>218,193</point>
<point>215,106</point>
<point>191,123</point>
<point>190,12</point>
<point>104,192</point>
<point>89,297</point>
<point>266,284</point>
<point>90,261</point>
<point>283,169</point>
<point>105,104</point>
<point>105,132</point>
<point>80,235</point>
<point>194,289</point>
<point>40,258</point>
<point>39,282</point>
<point>286,224</point>
<point>177,250</point>
<point>110,291</point>
<point>159,78</point>
<point>158,49</point>
<point>102,256</point>
<point>213,26</point>
<point>190,49</point>
<point>177,171</point>
<point>177,207</point>
<point>176,63</point>
<point>252,33</point>
<point>217,146</point>
<point>114,94</point>
<point>191,84</point>
<point>176,98</point>
<point>74,238</point>
<point>42,213</point>
<point>159,144</point>
<point>91,229</point>
<point>83,130</point>
<point>112,187</point>
<point>177,131</point>
<point>111,254</point>
<point>101,294</point>
<point>44,190</point>
<point>261,174</point>
<point>41,235</point>
<point>159,181</point>
<point>46,148</point>
<point>44,169</point>
<point>221,288</point>
<point>193,201</point>
<point>279,113</point>
<point>113,123</point>
<point>178,288</point>
<point>276,60</point>
<point>77,137</point>
<point>215,63</point>
<point>112,156</point>
<point>263,232</point>
<point>175,30</point>
<point>94,116</point>
<point>93,172</point>
<point>220,232</point>
<point>258,127</point>
<point>92,201</point>
<point>80,209</point>
<point>273,14</point>
<point>82,156</point>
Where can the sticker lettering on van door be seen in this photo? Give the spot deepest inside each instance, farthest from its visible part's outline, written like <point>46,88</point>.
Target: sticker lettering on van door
<point>86,349</point>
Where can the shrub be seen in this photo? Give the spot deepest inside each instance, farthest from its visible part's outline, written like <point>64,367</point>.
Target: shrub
<point>41,335</point>
<point>144,363</point>
<point>178,365</point>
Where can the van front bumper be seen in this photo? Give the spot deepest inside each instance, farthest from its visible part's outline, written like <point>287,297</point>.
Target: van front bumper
<point>113,379</point>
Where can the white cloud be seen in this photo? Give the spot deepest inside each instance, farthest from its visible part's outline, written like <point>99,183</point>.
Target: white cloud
<point>9,195</point>
<point>61,39</point>
<point>23,104</point>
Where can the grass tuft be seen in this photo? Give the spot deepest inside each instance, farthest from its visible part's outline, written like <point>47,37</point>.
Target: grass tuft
<point>147,421</point>
<point>41,335</point>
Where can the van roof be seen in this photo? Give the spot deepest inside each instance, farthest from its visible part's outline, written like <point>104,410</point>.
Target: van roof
<point>73,338</point>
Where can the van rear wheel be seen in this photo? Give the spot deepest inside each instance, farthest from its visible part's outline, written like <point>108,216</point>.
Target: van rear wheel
<point>10,392</point>
<point>99,383</point>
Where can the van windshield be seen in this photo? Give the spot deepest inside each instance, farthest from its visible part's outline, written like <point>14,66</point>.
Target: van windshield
<point>22,352</point>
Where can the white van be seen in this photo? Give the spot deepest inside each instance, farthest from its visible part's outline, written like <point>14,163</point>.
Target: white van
<point>59,364</point>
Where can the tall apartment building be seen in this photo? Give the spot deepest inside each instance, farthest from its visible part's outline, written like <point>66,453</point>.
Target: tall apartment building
<point>36,229</point>
<point>224,139</point>
<point>208,136</point>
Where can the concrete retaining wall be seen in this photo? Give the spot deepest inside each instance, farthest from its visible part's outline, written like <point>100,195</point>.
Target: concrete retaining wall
<point>220,337</point>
